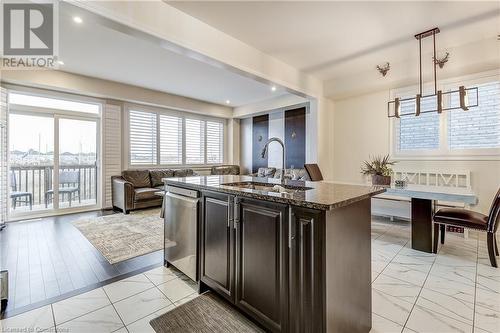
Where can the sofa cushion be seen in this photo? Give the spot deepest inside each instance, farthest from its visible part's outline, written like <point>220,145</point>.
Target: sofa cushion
<point>266,172</point>
<point>158,174</point>
<point>145,193</point>
<point>293,174</point>
<point>184,173</point>
<point>225,170</point>
<point>138,178</point>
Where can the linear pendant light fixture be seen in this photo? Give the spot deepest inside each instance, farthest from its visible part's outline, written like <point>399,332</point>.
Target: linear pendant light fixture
<point>462,91</point>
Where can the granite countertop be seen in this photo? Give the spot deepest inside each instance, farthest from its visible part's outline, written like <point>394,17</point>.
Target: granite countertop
<point>322,195</point>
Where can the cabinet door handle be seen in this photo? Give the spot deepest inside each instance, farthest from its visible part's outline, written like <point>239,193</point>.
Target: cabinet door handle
<point>290,237</point>
<point>230,211</point>
<point>236,212</point>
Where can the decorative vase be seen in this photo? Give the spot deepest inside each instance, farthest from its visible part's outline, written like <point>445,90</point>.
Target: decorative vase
<point>381,180</point>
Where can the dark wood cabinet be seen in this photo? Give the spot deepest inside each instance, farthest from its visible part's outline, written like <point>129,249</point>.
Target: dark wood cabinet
<point>267,259</point>
<point>217,243</point>
<point>262,262</point>
<point>307,275</point>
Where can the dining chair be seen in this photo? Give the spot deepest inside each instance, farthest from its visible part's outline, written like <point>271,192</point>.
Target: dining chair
<point>314,172</point>
<point>470,220</point>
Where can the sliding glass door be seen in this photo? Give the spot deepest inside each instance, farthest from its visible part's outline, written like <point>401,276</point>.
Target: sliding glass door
<point>31,161</point>
<point>53,159</point>
<point>77,162</point>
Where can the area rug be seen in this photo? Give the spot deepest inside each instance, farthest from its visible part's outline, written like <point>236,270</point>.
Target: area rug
<point>206,313</point>
<point>120,237</point>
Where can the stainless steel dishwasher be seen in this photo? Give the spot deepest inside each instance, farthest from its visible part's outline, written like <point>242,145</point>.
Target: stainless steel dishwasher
<point>181,224</point>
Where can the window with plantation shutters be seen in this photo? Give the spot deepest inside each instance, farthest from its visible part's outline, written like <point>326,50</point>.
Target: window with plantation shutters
<point>215,142</point>
<point>162,137</point>
<point>170,139</point>
<point>143,134</point>
<point>479,127</point>
<point>418,133</point>
<point>195,141</point>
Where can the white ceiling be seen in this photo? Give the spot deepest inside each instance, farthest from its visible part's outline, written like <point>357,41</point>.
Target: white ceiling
<point>97,50</point>
<point>336,39</point>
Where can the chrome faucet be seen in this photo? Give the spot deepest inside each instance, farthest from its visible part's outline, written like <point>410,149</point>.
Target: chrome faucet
<point>264,151</point>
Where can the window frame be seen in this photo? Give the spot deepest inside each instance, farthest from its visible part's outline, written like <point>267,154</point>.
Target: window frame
<point>26,109</point>
<point>56,115</point>
<point>443,152</point>
<point>176,113</point>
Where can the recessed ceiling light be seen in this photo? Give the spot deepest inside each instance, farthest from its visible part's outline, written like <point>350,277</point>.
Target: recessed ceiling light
<point>228,101</point>
<point>273,88</point>
<point>77,19</point>
<point>60,62</point>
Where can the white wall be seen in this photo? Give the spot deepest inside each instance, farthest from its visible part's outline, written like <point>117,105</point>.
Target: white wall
<point>90,86</point>
<point>233,141</point>
<point>361,128</point>
<point>246,128</point>
<point>464,60</point>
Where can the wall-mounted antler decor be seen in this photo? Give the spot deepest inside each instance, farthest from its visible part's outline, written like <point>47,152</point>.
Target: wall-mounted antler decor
<point>442,61</point>
<point>384,69</point>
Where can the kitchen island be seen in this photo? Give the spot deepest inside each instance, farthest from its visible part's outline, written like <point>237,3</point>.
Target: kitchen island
<point>295,257</point>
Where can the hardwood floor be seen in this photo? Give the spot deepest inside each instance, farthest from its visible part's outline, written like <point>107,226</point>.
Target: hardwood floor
<point>49,259</point>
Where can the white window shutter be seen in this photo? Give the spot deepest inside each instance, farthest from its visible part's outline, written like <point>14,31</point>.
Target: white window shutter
<point>143,138</point>
<point>170,139</point>
<point>479,127</point>
<point>215,142</point>
<point>112,148</point>
<point>3,155</point>
<point>418,133</point>
<point>195,141</point>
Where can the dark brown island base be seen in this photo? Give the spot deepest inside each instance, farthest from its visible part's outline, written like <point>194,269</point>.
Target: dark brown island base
<point>295,258</point>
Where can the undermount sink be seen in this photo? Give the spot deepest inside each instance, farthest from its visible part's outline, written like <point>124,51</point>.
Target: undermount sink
<point>266,187</point>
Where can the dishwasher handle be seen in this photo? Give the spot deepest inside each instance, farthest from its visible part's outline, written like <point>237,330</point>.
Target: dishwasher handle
<point>186,200</point>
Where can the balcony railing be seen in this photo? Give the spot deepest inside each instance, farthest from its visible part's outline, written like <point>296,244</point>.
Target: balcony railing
<point>38,179</point>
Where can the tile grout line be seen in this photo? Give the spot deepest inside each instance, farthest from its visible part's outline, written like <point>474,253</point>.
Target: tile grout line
<point>86,313</point>
<point>475,288</point>
<point>122,299</point>
<point>135,321</point>
<point>155,286</point>
<point>381,273</point>
<point>402,326</point>
<point>53,317</point>
<point>117,313</point>
<point>441,314</point>
<point>420,291</point>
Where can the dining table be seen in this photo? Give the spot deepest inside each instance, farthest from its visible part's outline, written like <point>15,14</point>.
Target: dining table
<point>424,201</point>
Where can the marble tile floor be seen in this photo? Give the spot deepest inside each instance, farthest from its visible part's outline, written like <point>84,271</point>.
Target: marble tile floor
<point>453,291</point>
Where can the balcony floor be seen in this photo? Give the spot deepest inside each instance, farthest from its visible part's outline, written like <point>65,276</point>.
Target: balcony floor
<point>39,208</point>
